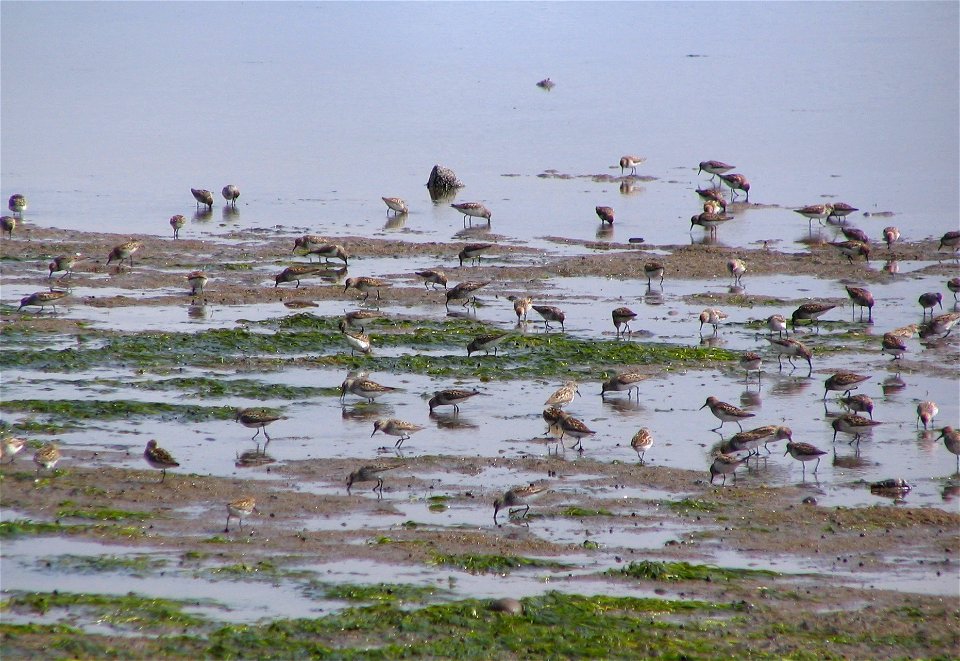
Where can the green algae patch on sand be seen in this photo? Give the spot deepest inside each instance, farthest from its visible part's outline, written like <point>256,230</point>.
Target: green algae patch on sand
<point>103,514</point>
<point>377,593</point>
<point>121,610</point>
<point>136,565</point>
<point>684,571</point>
<point>90,409</point>
<point>551,626</point>
<point>498,564</point>
<point>581,513</point>
<point>226,388</point>
<point>26,527</point>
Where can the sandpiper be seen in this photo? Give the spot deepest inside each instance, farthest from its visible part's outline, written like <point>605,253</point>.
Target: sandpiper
<point>710,221</point>
<point>43,299</point>
<point>177,222</point>
<point>202,196</point>
<point>521,306</point>
<point>804,452</point>
<point>712,316</point>
<point>433,278</point>
<point>862,297</point>
<point>855,234</point>
<point>622,317</point>
<point>46,457</point>
<point>926,412</point>
<point>641,442</point>
<point>552,415</point>
<point>751,439</point>
<point>630,162</point>
<point>357,341</point>
<point>239,508</point>
<point>777,323</point>
<point>124,251</point>
<point>157,457</point>
<point>370,473</point>
<point>858,404</point>
<point>713,194</point>
<point>725,464</point>
<point>8,224</point>
<point>853,424</point>
<point>950,240</point>
<point>605,214</point>
<point>546,84</point>
<point>953,284</point>
<point>942,324</point>
<point>570,426</point>
<point>63,263</point>
<point>451,397</point>
<point>463,291</point>
<point>395,204</point>
<point>894,345</point>
<point>257,418</point>
<point>726,412</point>
<point>10,447</point>
<point>736,268</point>
<point>329,251</point>
<point>472,210</point>
<point>842,381</point>
<point>653,270</point>
<point>368,389</point>
<point>472,251</point>
<point>624,381</point>
<point>751,361</point>
<point>712,206</point>
<point>356,318</point>
<point>818,212</point>
<point>851,249</point>
<point>308,242</point>
<point>197,280</point>
<point>17,204</point>
<point>295,273</point>
<point>564,395</point>
<point>930,300</point>
<point>516,498</point>
<point>841,210</point>
<point>736,182</point>
<point>789,347</point>
<point>715,167</point>
<point>551,313</point>
<point>365,285</point>
<point>951,439</point>
<point>890,236</point>
<point>811,312</point>
<point>230,194</point>
<point>485,342</point>
<point>396,427</point>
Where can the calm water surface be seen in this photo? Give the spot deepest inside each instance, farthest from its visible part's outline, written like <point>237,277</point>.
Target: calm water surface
<point>112,111</point>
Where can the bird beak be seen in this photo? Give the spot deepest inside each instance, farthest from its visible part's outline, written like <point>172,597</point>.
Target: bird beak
<point>702,407</point>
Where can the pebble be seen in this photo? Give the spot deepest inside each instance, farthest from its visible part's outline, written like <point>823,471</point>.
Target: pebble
<point>506,605</point>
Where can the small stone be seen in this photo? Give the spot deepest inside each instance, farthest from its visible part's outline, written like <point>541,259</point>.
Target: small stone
<point>809,500</point>
<point>507,605</point>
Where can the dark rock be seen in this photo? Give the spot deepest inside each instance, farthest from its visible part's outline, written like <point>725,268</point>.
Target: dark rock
<point>442,180</point>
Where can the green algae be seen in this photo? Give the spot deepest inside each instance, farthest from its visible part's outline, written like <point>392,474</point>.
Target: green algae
<point>91,409</point>
<point>378,592</point>
<point>684,571</point>
<point>103,514</point>
<point>137,565</point>
<point>581,513</point>
<point>129,609</point>
<point>498,564</point>
<point>522,356</point>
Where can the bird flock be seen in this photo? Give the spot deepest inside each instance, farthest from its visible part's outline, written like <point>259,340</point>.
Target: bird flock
<point>560,423</point>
